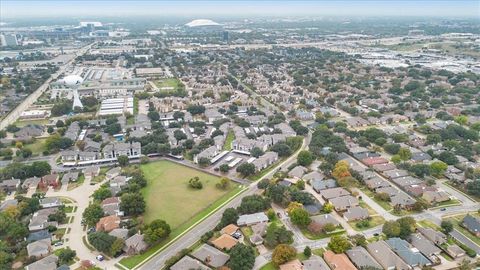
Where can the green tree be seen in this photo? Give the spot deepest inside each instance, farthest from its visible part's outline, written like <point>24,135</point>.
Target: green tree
<point>339,244</point>
<point>276,235</point>
<point>92,214</point>
<point>359,240</point>
<point>122,161</point>
<point>229,216</point>
<point>253,204</point>
<point>102,193</point>
<point>256,152</point>
<point>391,229</point>
<point>117,246</point>
<point>404,154</point>
<point>132,204</point>
<point>242,257</point>
<point>300,217</point>
<point>223,184</point>
<point>246,169</point>
<point>155,231</point>
<point>283,253</point>
<point>66,256</point>
<point>307,251</point>
<point>305,158</point>
<point>438,168</point>
<point>328,208</point>
<point>447,226</point>
<point>101,241</point>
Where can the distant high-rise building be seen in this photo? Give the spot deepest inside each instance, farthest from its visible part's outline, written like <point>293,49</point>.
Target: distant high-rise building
<point>225,36</point>
<point>8,40</point>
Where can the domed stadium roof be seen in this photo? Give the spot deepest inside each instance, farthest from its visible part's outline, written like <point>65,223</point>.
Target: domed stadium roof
<point>202,22</point>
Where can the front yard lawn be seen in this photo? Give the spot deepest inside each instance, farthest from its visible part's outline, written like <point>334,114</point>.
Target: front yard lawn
<point>316,236</point>
<point>373,222</point>
<point>385,205</point>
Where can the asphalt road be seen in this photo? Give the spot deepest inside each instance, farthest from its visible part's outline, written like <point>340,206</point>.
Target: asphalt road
<point>465,240</point>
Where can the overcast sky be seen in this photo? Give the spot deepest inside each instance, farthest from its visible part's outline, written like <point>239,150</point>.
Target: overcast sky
<point>66,8</point>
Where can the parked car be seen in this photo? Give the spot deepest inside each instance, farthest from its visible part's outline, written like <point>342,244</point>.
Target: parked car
<point>100,258</point>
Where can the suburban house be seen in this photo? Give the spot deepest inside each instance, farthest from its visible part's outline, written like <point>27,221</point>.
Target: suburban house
<point>297,172</point>
<point>119,233</point>
<point>251,219</point>
<point>331,193</point>
<point>324,219</point>
<point>40,235</point>
<point>39,220</point>
<point>427,248</point>
<point>472,224</point>
<point>224,242</point>
<point>291,265</point>
<point>9,185</point>
<point>50,180</point>
<point>47,263</point>
<point>361,258</point>
<point>382,253</point>
<point>111,206</point>
<point>50,202</point>
<point>113,172</point>
<point>135,244</point>
<point>319,185</point>
<point>108,223</point>
<point>435,236</point>
<point>259,230</point>
<point>356,213</point>
<point>8,203</point>
<point>315,263</point>
<point>344,202</point>
<point>435,196</point>
<point>91,171</point>
<point>402,200</point>
<point>188,263</point>
<point>211,256</point>
<point>455,251</point>
<point>31,182</point>
<point>39,248</point>
<point>69,177</point>
<point>338,261</point>
<point>409,255</point>
<point>230,229</point>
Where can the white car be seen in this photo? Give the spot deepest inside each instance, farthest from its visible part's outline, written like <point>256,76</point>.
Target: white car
<point>100,258</point>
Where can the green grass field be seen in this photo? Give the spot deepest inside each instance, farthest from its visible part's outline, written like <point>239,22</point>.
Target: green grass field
<point>171,82</point>
<point>227,146</point>
<point>169,197</point>
<point>37,147</point>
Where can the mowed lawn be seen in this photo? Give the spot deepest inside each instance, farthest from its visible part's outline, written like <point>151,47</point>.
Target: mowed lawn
<point>169,197</point>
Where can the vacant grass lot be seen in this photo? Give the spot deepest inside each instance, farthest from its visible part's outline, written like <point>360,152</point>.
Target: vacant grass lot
<point>170,84</point>
<point>169,197</point>
<point>37,147</point>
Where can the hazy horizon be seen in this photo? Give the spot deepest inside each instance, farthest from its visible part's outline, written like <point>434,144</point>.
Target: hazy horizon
<point>25,9</point>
